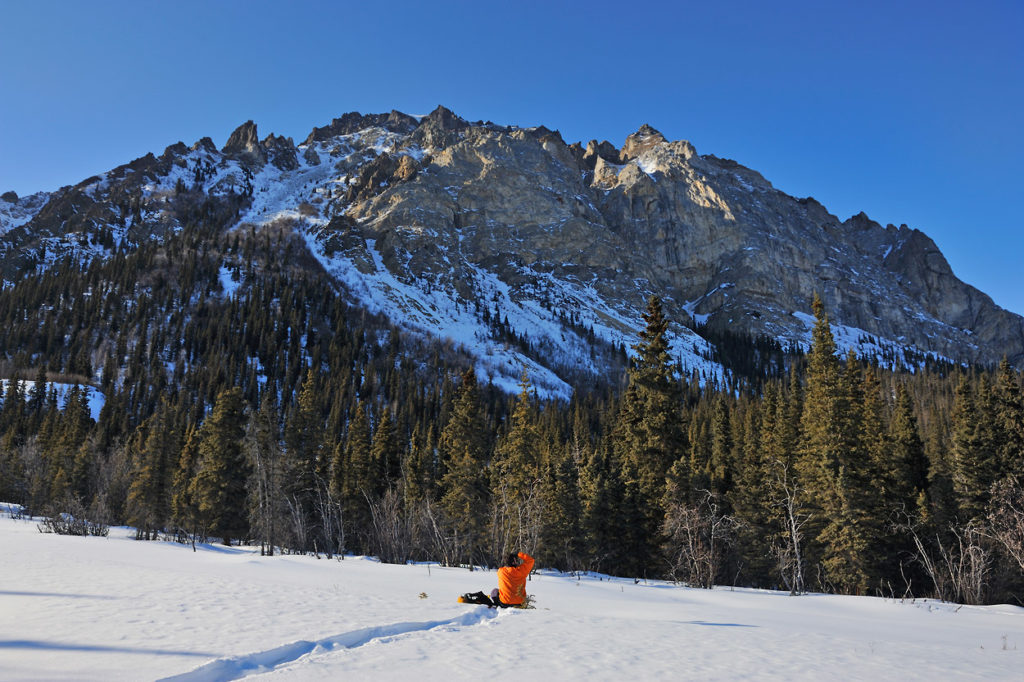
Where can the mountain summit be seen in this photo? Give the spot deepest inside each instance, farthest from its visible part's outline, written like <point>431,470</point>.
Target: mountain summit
<point>458,229</point>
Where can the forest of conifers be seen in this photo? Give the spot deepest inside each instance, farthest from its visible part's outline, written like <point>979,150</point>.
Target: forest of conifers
<point>285,417</point>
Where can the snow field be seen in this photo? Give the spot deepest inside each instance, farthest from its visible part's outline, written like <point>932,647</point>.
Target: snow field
<point>116,609</point>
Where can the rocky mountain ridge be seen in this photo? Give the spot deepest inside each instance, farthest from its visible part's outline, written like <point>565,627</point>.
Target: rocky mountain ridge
<point>455,229</point>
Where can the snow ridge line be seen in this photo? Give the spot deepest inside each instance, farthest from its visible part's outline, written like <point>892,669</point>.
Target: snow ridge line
<point>237,667</point>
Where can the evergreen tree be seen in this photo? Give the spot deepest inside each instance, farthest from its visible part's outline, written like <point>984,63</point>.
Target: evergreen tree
<point>908,465</point>
<point>601,494</point>
<point>648,436</point>
<point>360,474</point>
<point>834,462</point>
<point>974,466</point>
<point>220,482</point>
<point>720,465</point>
<point>386,453</point>
<point>516,480</point>
<point>361,478</point>
<point>1009,419</point>
<point>752,496</point>
<point>305,465</point>
<point>463,448</point>
<point>184,511</point>
<point>149,496</point>
<point>822,437</point>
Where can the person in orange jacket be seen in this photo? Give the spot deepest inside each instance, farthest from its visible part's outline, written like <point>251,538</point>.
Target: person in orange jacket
<point>512,580</point>
<point>511,590</point>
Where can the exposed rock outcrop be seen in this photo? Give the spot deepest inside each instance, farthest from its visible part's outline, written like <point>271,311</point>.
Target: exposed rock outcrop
<point>281,152</point>
<point>244,145</point>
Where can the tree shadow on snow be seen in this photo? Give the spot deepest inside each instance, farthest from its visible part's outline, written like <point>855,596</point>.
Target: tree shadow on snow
<point>97,648</point>
<point>718,625</point>
<point>13,593</point>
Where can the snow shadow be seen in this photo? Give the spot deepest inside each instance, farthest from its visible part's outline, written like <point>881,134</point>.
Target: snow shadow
<point>718,625</point>
<point>12,593</point>
<point>221,549</point>
<point>96,648</point>
<point>236,667</point>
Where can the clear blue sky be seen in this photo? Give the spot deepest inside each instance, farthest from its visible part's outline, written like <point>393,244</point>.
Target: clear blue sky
<point>911,111</point>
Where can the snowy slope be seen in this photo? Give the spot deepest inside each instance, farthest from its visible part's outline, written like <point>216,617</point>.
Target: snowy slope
<point>116,609</point>
<point>16,213</point>
<point>94,397</point>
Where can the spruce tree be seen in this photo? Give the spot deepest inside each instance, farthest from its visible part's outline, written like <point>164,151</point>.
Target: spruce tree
<point>1009,420</point>
<point>361,478</point>
<point>223,472</point>
<point>751,498</point>
<point>149,496</point>
<point>306,462</point>
<point>648,436</point>
<point>908,465</point>
<point>974,466</point>
<point>515,475</point>
<point>386,453</point>
<point>821,427</point>
<point>464,448</point>
<point>184,511</point>
<point>360,474</point>
<point>604,514</point>
<point>833,463</point>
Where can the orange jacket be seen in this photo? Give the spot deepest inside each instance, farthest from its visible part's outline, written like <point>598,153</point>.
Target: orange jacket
<point>512,580</point>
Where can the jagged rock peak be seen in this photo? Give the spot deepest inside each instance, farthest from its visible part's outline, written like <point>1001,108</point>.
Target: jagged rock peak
<point>176,149</point>
<point>281,151</point>
<point>443,118</point>
<point>440,128</point>
<point>604,150</point>
<point>10,197</point>
<point>206,144</point>
<point>639,142</point>
<point>861,221</point>
<point>243,141</point>
<point>353,122</point>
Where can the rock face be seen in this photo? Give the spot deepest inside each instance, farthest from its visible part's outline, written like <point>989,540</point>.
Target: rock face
<point>449,224</point>
<point>711,236</point>
<point>244,144</point>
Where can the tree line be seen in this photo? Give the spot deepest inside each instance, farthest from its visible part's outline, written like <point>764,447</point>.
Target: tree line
<point>286,417</point>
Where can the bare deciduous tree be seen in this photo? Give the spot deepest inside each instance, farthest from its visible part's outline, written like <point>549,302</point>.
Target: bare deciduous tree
<point>516,520</point>
<point>788,546</point>
<point>266,495</point>
<point>393,530</point>
<point>440,537</point>
<point>332,528</point>
<point>1006,517</point>
<point>697,537</point>
<point>958,567</point>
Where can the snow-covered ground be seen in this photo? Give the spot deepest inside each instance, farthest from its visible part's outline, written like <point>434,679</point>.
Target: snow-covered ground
<point>94,397</point>
<point>117,609</point>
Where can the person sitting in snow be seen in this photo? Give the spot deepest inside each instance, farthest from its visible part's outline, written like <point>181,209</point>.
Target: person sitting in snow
<point>511,590</point>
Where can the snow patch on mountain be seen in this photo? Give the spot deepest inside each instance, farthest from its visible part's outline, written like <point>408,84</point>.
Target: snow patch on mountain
<point>433,312</point>
<point>865,345</point>
<point>94,398</point>
<point>16,213</point>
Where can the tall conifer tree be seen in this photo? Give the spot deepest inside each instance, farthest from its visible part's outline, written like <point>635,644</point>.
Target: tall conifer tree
<point>220,482</point>
<point>464,449</point>
<point>648,436</point>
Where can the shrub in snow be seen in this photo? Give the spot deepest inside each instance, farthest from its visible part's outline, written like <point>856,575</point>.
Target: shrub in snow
<point>72,522</point>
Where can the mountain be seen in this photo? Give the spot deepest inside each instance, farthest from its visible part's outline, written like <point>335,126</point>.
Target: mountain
<point>531,253</point>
